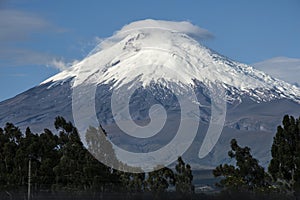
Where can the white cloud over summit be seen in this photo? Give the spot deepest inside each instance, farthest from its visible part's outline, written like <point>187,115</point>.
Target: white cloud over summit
<point>184,27</point>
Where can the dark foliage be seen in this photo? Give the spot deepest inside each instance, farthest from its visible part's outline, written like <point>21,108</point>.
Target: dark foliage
<point>247,175</point>
<point>283,177</point>
<point>60,164</point>
<point>285,164</point>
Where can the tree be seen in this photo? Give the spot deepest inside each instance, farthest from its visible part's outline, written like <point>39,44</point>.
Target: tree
<point>13,167</point>
<point>160,180</point>
<point>101,150</point>
<point>49,157</point>
<point>133,182</point>
<point>183,178</point>
<point>69,171</point>
<point>285,163</point>
<point>248,175</point>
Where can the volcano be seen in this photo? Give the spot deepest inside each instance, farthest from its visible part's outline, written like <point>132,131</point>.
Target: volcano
<point>154,66</point>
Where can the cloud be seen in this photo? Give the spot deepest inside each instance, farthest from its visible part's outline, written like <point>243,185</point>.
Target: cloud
<point>19,57</point>
<point>22,57</point>
<point>284,68</point>
<point>61,64</point>
<point>18,26</point>
<point>184,27</point>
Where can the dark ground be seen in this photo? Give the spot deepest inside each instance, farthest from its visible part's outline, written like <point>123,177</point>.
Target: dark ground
<point>142,196</point>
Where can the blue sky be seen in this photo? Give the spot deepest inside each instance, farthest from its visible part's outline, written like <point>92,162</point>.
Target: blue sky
<point>34,34</point>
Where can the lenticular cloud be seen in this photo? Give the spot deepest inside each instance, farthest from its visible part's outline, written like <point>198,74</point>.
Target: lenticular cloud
<point>147,25</point>
<point>183,27</point>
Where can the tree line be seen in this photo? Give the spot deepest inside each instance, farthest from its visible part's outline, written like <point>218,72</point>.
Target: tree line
<point>60,162</point>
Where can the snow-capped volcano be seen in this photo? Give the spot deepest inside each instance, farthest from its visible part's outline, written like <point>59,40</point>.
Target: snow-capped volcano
<point>160,60</point>
<point>166,52</point>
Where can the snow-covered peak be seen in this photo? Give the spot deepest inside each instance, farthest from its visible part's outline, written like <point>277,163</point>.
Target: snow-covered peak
<point>167,52</point>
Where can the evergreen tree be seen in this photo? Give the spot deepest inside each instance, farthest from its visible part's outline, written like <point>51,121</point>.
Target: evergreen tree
<point>248,175</point>
<point>285,164</point>
<point>183,178</point>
